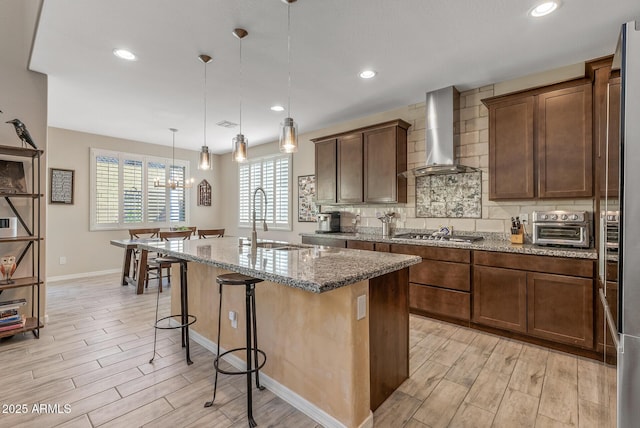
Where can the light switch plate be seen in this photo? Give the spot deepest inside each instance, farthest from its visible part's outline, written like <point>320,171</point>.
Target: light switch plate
<point>362,307</point>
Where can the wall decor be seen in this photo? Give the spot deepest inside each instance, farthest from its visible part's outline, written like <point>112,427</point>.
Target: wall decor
<point>449,196</point>
<point>12,177</point>
<point>204,194</point>
<point>307,209</point>
<point>61,182</point>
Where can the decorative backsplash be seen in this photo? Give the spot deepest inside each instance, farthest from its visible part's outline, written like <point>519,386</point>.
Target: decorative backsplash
<point>449,196</point>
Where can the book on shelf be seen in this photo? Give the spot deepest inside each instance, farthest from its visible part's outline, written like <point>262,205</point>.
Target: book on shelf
<point>8,313</point>
<point>8,319</point>
<point>12,304</point>
<point>14,325</point>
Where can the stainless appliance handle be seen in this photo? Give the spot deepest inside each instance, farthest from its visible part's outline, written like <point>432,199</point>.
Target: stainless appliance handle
<point>609,317</point>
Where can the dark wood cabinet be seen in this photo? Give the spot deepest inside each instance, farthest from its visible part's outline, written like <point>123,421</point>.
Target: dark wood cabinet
<point>440,285</point>
<point>326,241</point>
<point>545,297</point>
<point>511,162</point>
<point>540,143</point>
<point>350,172</point>
<point>560,308</point>
<point>500,298</point>
<point>385,156</point>
<point>326,167</point>
<point>564,137</point>
<point>362,165</point>
<point>361,245</point>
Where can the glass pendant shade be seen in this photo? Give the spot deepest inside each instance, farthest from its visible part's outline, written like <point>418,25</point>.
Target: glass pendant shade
<point>288,136</point>
<point>240,144</point>
<point>205,159</point>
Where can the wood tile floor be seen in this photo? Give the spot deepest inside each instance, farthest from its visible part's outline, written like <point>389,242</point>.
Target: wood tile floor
<point>93,356</point>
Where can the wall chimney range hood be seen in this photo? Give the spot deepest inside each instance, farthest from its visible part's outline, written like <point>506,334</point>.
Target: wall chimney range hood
<point>443,113</point>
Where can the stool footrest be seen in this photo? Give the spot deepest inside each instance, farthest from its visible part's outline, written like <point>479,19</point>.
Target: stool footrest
<point>190,320</point>
<point>240,372</point>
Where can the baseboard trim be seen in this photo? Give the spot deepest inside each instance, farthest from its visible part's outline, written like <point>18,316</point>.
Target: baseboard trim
<point>300,403</point>
<point>82,275</point>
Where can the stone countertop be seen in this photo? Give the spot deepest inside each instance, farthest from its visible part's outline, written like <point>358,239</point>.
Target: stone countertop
<point>307,267</point>
<point>498,245</point>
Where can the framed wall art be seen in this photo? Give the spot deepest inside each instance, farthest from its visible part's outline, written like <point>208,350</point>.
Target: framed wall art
<point>61,182</point>
<point>307,209</point>
<point>12,177</point>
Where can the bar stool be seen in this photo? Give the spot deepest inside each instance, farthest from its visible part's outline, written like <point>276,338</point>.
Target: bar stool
<point>185,319</point>
<point>251,339</point>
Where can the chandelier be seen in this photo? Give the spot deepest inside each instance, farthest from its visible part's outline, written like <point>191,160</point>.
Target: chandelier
<point>172,183</point>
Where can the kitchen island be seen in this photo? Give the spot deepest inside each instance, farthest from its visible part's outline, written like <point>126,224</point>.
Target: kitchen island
<point>328,355</point>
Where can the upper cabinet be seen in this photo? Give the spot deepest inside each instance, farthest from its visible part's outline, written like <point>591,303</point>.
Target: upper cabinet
<point>540,143</point>
<point>362,165</point>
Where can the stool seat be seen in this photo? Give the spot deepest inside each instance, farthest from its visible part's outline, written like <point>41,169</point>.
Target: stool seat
<point>236,279</point>
<point>167,259</point>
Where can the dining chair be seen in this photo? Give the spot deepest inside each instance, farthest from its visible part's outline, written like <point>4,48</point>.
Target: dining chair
<point>151,232</point>
<point>158,263</point>
<point>210,233</point>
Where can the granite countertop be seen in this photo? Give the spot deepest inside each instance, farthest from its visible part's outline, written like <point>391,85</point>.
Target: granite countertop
<point>307,267</point>
<point>499,245</point>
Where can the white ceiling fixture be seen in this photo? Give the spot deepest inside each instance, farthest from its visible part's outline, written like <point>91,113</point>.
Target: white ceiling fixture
<point>124,54</point>
<point>277,108</point>
<point>421,47</point>
<point>367,74</point>
<point>173,182</point>
<point>544,9</point>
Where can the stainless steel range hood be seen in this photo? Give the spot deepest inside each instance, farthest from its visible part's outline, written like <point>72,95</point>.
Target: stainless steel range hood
<point>443,111</point>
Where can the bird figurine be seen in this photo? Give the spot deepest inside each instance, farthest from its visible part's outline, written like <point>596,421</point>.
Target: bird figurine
<point>8,267</point>
<point>22,132</point>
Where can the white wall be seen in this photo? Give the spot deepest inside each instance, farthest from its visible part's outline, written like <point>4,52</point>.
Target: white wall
<point>23,96</point>
<point>69,234</point>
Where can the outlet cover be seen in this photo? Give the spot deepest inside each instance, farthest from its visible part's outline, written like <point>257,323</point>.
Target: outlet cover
<point>63,260</point>
<point>362,307</point>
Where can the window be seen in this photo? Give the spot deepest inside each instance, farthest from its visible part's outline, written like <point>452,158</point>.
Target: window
<point>124,195</point>
<point>273,174</point>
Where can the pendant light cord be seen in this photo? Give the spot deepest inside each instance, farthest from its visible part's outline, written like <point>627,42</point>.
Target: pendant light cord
<point>205,103</point>
<point>241,86</point>
<point>289,57</point>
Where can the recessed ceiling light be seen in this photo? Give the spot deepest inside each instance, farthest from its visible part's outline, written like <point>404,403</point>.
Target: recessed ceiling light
<point>544,8</point>
<point>277,108</point>
<point>124,54</point>
<point>367,74</point>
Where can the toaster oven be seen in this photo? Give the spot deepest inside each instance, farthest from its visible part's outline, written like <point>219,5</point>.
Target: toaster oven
<point>562,228</point>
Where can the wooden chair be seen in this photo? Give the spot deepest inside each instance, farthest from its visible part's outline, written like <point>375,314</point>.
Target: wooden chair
<point>210,233</point>
<point>158,263</point>
<point>138,234</point>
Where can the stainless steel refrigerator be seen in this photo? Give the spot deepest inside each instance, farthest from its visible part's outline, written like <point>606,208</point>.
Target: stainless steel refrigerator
<point>619,263</point>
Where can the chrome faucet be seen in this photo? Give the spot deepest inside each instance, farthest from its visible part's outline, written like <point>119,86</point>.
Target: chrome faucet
<point>254,234</point>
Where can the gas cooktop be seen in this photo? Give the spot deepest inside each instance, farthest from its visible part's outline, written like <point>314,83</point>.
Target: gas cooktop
<point>449,238</point>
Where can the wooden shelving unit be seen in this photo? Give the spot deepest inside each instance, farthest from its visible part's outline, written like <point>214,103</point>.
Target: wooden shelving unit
<point>29,235</point>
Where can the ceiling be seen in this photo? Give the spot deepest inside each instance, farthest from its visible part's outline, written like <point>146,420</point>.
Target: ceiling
<point>414,45</point>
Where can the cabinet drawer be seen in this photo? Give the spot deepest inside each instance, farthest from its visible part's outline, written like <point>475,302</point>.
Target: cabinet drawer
<point>442,274</point>
<point>449,303</point>
<point>433,253</point>
<point>573,267</point>
<point>328,242</point>
<point>360,245</point>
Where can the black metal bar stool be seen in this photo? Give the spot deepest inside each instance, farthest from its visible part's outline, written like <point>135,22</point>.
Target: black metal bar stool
<point>185,319</point>
<point>251,340</point>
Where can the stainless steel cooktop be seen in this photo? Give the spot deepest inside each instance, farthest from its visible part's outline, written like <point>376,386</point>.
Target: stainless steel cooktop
<point>429,237</point>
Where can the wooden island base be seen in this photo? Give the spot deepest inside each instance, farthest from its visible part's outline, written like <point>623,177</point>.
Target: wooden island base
<point>320,357</point>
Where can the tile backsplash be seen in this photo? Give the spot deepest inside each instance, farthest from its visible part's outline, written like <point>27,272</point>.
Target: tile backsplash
<point>473,151</point>
<point>449,196</point>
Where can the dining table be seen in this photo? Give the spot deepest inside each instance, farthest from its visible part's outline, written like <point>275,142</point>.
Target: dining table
<point>130,245</point>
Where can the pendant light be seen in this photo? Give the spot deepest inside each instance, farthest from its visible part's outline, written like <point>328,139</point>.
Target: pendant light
<point>172,183</point>
<point>288,128</point>
<point>240,143</point>
<point>205,156</point>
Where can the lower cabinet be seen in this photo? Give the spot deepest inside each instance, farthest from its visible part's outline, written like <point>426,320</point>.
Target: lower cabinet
<point>500,298</point>
<point>326,241</point>
<point>556,306</point>
<point>361,245</point>
<point>440,285</point>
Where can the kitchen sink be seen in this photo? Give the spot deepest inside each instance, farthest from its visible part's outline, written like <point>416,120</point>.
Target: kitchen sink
<point>281,246</point>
